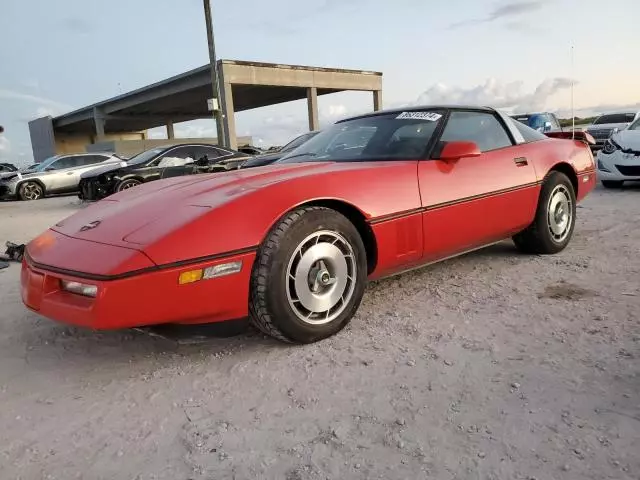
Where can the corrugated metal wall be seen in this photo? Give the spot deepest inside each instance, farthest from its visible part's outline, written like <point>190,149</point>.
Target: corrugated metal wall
<point>43,141</point>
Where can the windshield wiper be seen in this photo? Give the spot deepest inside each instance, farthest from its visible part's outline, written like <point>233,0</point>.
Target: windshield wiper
<point>306,154</point>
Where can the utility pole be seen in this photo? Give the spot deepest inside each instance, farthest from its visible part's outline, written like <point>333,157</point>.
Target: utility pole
<point>217,112</point>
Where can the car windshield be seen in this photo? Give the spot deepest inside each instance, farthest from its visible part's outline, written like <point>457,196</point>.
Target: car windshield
<point>145,156</point>
<point>393,136</point>
<point>296,142</point>
<point>615,118</point>
<point>635,125</point>
<point>40,167</point>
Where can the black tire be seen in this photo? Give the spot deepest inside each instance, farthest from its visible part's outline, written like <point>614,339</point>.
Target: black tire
<point>30,191</point>
<point>538,237</point>
<point>127,184</point>
<point>270,307</point>
<point>612,183</point>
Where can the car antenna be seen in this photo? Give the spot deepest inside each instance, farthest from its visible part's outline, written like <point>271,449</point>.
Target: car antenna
<point>573,116</point>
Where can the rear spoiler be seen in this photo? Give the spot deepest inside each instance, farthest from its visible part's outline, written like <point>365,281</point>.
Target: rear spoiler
<point>576,135</point>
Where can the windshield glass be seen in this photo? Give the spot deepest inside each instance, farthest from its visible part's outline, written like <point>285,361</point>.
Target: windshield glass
<point>296,142</point>
<point>145,156</point>
<point>635,125</point>
<point>40,167</point>
<point>615,118</point>
<point>393,136</point>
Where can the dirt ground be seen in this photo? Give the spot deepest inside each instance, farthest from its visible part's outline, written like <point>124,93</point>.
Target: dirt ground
<point>494,365</point>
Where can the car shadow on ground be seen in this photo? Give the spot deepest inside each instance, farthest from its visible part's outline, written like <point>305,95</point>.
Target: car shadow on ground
<point>47,339</point>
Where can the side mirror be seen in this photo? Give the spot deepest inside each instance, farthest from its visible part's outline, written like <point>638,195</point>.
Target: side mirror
<point>547,126</point>
<point>203,161</point>
<point>457,150</point>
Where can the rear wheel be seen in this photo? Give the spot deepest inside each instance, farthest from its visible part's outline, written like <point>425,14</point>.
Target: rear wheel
<point>612,183</point>
<point>555,218</point>
<point>309,276</point>
<point>30,191</point>
<point>127,184</point>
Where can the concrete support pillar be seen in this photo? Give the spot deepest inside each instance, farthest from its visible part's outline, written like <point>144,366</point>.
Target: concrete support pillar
<point>312,106</point>
<point>228,115</point>
<point>170,132</point>
<point>377,100</point>
<point>98,120</point>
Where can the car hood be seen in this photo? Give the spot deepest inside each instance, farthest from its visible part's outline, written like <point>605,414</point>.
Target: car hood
<point>139,216</point>
<point>8,175</point>
<point>13,176</point>
<point>260,160</point>
<point>628,139</point>
<point>602,126</point>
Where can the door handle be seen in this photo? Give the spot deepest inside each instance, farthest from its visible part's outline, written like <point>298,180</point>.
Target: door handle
<point>69,173</point>
<point>521,161</point>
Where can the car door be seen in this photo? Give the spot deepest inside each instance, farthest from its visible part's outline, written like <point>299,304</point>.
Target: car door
<point>58,174</point>
<point>83,163</point>
<point>474,201</point>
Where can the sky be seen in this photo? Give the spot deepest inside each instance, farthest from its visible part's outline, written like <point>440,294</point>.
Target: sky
<point>511,54</point>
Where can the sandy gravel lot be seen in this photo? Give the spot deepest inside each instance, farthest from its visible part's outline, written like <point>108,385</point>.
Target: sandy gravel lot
<point>493,365</point>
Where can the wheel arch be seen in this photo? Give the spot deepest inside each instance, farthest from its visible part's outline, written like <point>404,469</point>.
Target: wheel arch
<point>132,176</point>
<point>569,171</point>
<point>355,216</point>
<point>34,180</point>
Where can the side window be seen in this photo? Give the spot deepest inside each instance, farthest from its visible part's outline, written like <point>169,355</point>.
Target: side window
<point>65,162</point>
<point>482,128</point>
<point>210,152</point>
<point>555,122</point>
<point>176,157</point>
<point>87,160</point>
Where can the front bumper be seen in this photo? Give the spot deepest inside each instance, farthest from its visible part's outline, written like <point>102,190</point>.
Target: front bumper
<point>7,191</point>
<point>618,166</point>
<point>149,298</point>
<point>92,189</point>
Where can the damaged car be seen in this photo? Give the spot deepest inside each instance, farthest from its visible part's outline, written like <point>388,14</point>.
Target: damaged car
<point>619,158</point>
<point>158,163</point>
<point>56,175</point>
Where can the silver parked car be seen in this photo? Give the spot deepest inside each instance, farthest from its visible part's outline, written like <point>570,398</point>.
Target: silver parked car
<point>606,125</point>
<point>55,175</point>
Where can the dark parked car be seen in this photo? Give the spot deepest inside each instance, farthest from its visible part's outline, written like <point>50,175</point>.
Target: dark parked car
<point>157,163</point>
<point>269,158</point>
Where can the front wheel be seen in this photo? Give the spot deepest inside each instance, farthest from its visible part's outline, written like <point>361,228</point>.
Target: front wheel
<point>30,191</point>
<point>309,276</point>
<point>127,184</point>
<point>612,183</point>
<point>555,218</point>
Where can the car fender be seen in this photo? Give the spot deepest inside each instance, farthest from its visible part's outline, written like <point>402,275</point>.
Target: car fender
<point>247,213</point>
<point>33,179</point>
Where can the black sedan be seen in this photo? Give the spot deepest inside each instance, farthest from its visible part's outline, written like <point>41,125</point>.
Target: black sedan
<point>157,163</point>
<point>269,158</point>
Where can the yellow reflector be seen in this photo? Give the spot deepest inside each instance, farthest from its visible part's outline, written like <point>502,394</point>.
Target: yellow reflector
<point>190,276</point>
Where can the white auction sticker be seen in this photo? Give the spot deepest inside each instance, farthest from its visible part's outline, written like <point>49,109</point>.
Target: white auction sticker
<point>431,116</point>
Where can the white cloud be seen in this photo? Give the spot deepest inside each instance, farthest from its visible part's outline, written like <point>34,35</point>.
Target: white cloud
<point>497,94</point>
<point>45,102</point>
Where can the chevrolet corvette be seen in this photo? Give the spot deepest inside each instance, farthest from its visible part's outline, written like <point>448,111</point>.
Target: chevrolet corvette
<point>292,245</point>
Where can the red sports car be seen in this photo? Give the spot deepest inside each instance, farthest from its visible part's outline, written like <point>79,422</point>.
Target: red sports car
<point>292,245</point>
